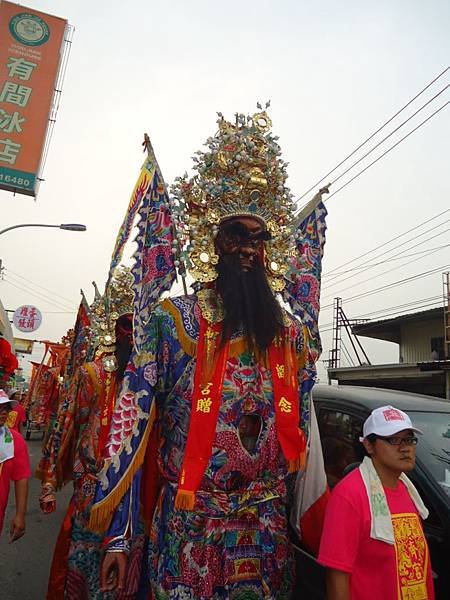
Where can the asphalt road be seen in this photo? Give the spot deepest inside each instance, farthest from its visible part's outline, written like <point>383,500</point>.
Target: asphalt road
<point>25,564</point>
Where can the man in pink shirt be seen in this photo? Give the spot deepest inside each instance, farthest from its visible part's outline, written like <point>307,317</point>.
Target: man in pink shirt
<point>373,543</point>
<point>14,466</point>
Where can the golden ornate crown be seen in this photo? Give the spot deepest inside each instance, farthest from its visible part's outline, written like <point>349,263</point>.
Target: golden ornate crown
<point>240,174</point>
<point>116,301</point>
<point>68,338</point>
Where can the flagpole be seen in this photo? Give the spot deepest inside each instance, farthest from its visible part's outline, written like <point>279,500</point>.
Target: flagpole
<point>150,152</point>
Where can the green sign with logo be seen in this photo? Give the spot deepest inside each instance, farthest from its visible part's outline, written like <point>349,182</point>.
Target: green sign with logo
<point>29,30</point>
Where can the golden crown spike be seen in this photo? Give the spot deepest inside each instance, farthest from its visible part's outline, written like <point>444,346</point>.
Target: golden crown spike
<point>241,173</point>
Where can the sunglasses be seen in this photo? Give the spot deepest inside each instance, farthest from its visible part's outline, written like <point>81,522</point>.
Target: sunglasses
<point>398,441</point>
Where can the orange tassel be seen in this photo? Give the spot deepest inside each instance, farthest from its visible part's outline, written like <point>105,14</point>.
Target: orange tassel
<point>294,465</point>
<point>184,500</point>
<point>297,464</point>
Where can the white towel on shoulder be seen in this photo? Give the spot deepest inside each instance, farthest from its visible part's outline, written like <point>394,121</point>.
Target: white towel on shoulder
<point>6,444</point>
<point>381,526</point>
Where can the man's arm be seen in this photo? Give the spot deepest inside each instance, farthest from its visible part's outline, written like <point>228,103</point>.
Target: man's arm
<point>18,523</point>
<point>338,585</point>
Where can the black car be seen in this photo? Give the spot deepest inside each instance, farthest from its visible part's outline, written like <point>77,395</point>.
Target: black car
<point>341,412</point>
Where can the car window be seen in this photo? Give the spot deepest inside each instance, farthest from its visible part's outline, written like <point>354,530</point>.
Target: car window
<point>433,448</point>
<point>433,518</point>
<point>339,433</point>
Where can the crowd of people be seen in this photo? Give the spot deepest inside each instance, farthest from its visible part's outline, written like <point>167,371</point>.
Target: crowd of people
<point>186,424</point>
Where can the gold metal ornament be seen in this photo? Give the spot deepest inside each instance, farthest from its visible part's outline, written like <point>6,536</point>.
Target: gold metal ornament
<point>262,121</point>
<point>110,363</point>
<point>276,283</point>
<point>240,173</point>
<point>117,300</point>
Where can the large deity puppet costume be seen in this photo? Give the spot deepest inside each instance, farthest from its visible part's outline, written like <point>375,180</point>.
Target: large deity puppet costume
<point>210,430</point>
<point>73,451</point>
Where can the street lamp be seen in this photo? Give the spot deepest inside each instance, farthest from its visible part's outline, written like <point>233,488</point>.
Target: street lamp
<point>73,227</point>
<point>66,226</point>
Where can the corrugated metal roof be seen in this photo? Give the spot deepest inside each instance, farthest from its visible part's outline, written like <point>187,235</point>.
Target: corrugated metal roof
<point>389,329</point>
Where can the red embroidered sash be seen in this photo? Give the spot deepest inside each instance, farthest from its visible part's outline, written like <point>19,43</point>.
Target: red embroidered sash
<point>109,397</point>
<point>287,409</point>
<point>206,399</point>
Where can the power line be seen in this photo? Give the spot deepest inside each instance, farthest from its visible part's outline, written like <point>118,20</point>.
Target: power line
<point>396,283</point>
<point>393,284</point>
<point>58,312</point>
<point>389,149</point>
<point>407,305</point>
<point>383,312</point>
<point>373,134</point>
<point>415,238</point>
<point>38,285</point>
<point>389,135</point>
<point>406,308</point>
<point>391,258</point>
<point>34,293</point>
<point>329,326</point>
<point>379,274</point>
<point>400,312</point>
<point>42,295</point>
<point>397,237</point>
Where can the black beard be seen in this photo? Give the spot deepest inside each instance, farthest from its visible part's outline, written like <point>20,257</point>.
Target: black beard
<point>249,303</point>
<point>123,352</point>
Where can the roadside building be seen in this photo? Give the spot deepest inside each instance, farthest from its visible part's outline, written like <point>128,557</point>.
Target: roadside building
<point>422,366</point>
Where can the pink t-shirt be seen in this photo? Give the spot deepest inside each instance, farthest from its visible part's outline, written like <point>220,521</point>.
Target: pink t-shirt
<point>377,569</point>
<point>13,469</point>
<point>16,417</point>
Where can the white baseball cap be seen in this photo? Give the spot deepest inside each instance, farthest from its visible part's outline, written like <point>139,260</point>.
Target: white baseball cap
<point>386,421</point>
<point>5,399</point>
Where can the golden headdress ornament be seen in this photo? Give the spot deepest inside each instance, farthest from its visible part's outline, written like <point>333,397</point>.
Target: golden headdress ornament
<point>241,173</point>
<point>116,301</point>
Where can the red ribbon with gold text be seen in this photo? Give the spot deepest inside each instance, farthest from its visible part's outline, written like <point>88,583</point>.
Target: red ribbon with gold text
<point>206,400</point>
<point>287,411</point>
<point>107,410</point>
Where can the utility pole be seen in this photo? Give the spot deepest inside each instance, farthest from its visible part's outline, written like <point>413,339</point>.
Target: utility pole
<point>446,285</point>
<point>335,352</point>
<point>340,320</point>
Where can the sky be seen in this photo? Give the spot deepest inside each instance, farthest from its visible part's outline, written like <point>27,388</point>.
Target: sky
<point>333,71</point>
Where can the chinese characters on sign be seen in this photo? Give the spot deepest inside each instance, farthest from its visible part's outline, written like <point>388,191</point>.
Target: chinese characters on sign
<point>30,57</point>
<point>27,318</point>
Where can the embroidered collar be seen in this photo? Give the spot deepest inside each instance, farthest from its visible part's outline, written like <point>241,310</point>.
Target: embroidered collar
<point>211,305</point>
